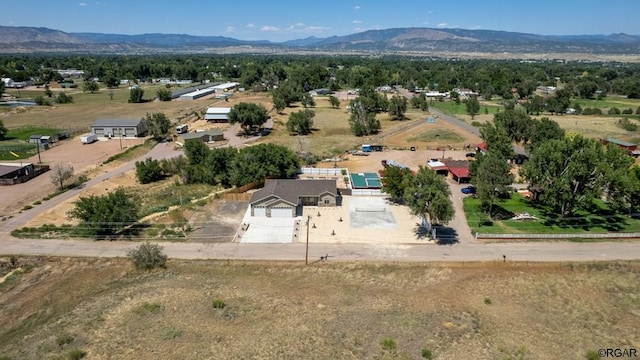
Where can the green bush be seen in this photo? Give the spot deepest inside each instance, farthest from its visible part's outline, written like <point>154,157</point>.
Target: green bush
<point>427,354</point>
<point>487,301</point>
<point>592,355</point>
<point>148,308</point>
<point>76,354</point>
<point>388,344</point>
<point>172,333</point>
<point>218,304</point>
<point>64,339</point>
<point>148,256</point>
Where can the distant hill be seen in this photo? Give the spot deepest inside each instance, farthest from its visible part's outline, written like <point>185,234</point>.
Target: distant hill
<point>31,39</point>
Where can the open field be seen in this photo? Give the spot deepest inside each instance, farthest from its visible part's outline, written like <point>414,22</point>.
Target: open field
<point>328,310</point>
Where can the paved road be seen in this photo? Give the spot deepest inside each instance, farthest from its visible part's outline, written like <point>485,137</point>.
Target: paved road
<point>337,252</point>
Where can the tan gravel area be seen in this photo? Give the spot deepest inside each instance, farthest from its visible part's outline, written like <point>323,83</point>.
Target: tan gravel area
<point>329,222</point>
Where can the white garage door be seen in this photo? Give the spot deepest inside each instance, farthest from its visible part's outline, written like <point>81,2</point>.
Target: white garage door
<point>98,131</point>
<point>281,212</point>
<point>129,132</point>
<point>259,211</point>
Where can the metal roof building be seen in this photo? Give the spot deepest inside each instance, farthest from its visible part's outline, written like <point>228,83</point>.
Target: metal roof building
<point>217,114</point>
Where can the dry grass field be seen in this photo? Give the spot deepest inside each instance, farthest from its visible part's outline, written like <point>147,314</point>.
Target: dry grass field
<point>327,310</point>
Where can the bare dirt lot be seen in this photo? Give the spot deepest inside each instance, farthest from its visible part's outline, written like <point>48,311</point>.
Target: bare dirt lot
<point>328,310</point>
<point>83,158</point>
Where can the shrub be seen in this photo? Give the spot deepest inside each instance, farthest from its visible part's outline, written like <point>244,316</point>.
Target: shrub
<point>63,98</point>
<point>148,308</point>
<point>76,354</point>
<point>27,207</point>
<point>218,304</point>
<point>64,339</point>
<point>624,123</point>
<point>487,301</point>
<point>148,256</point>
<point>172,333</point>
<point>476,124</point>
<point>592,355</point>
<point>388,344</point>
<point>426,353</point>
<point>628,111</point>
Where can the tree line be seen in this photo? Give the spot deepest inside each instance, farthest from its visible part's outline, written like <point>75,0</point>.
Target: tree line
<point>489,78</point>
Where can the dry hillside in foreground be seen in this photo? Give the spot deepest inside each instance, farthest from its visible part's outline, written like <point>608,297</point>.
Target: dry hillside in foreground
<point>327,310</point>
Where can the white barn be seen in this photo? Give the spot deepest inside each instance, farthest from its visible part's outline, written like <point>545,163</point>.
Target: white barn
<point>217,114</point>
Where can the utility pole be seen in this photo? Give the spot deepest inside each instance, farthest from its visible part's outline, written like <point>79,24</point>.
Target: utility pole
<point>120,138</point>
<point>38,147</point>
<point>306,255</point>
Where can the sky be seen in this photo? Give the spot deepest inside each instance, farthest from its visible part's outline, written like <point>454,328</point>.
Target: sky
<point>279,20</point>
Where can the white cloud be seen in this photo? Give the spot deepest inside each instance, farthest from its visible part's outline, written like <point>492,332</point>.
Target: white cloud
<point>442,25</point>
<point>268,28</point>
<point>357,21</point>
<point>251,25</point>
<point>82,4</point>
<point>306,29</point>
<point>296,26</point>
<point>429,12</point>
<point>230,29</point>
<point>357,7</point>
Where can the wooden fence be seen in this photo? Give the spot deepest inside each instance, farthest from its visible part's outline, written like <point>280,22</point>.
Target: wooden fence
<point>240,193</point>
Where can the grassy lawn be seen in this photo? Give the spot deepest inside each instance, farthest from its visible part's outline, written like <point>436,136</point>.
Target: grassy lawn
<point>452,108</point>
<point>609,102</point>
<point>598,220</point>
<point>24,150</point>
<point>437,135</point>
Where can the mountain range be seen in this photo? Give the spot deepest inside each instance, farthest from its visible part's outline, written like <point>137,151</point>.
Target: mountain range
<point>397,40</point>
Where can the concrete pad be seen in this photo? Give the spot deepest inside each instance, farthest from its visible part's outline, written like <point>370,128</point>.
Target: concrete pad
<point>325,225</point>
<point>267,230</point>
<point>371,213</point>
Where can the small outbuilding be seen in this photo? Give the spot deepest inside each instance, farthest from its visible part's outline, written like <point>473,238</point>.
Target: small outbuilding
<point>119,127</point>
<point>217,114</point>
<point>630,147</point>
<point>459,170</point>
<point>206,136</point>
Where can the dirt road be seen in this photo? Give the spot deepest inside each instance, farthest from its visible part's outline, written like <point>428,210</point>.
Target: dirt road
<point>549,252</point>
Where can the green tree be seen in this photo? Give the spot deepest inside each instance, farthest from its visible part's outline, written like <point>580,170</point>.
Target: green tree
<point>196,152</point>
<point>397,107</point>
<point>473,106</point>
<point>395,181</point>
<point>497,140</point>
<point>105,215</point>
<point>301,122</point>
<point>148,171</point>
<point>334,101</point>
<point>279,102</point>
<point>362,121</point>
<point>545,129</point>
<point>307,100</point>
<point>148,256</point>
<point>60,173</point>
<point>110,80</point>
<point>517,124</point>
<point>256,163</point>
<point>573,172</point>
<point>90,86</point>
<point>492,178</point>
<point>3,130</point>
<point>427,195</point>
<point>158,124</point>
<point>48,92</point>
<point>164,94</point>
<point>63,98</point>
<point>219,162</point>
<point>135,95</point>
<point>249,115</point>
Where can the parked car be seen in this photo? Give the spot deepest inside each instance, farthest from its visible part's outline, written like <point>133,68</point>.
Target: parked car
<point>469,189</point>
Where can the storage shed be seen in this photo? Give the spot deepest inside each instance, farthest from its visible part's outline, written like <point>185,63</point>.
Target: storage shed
<point>119,127</point>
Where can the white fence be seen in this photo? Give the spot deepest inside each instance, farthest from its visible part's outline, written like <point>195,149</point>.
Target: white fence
<point>324,171</point>
<point>633,235</point>
<point>367,192</point>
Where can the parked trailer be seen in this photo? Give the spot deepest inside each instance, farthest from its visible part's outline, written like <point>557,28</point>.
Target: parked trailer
<point>89,138</point>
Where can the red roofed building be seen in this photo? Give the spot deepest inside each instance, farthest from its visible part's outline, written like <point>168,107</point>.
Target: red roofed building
<point>459,170</point>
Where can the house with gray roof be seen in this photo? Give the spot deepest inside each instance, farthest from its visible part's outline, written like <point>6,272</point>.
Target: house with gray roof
<point>206,136</point>
<point>284,198</point>
<point>119,127</point>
